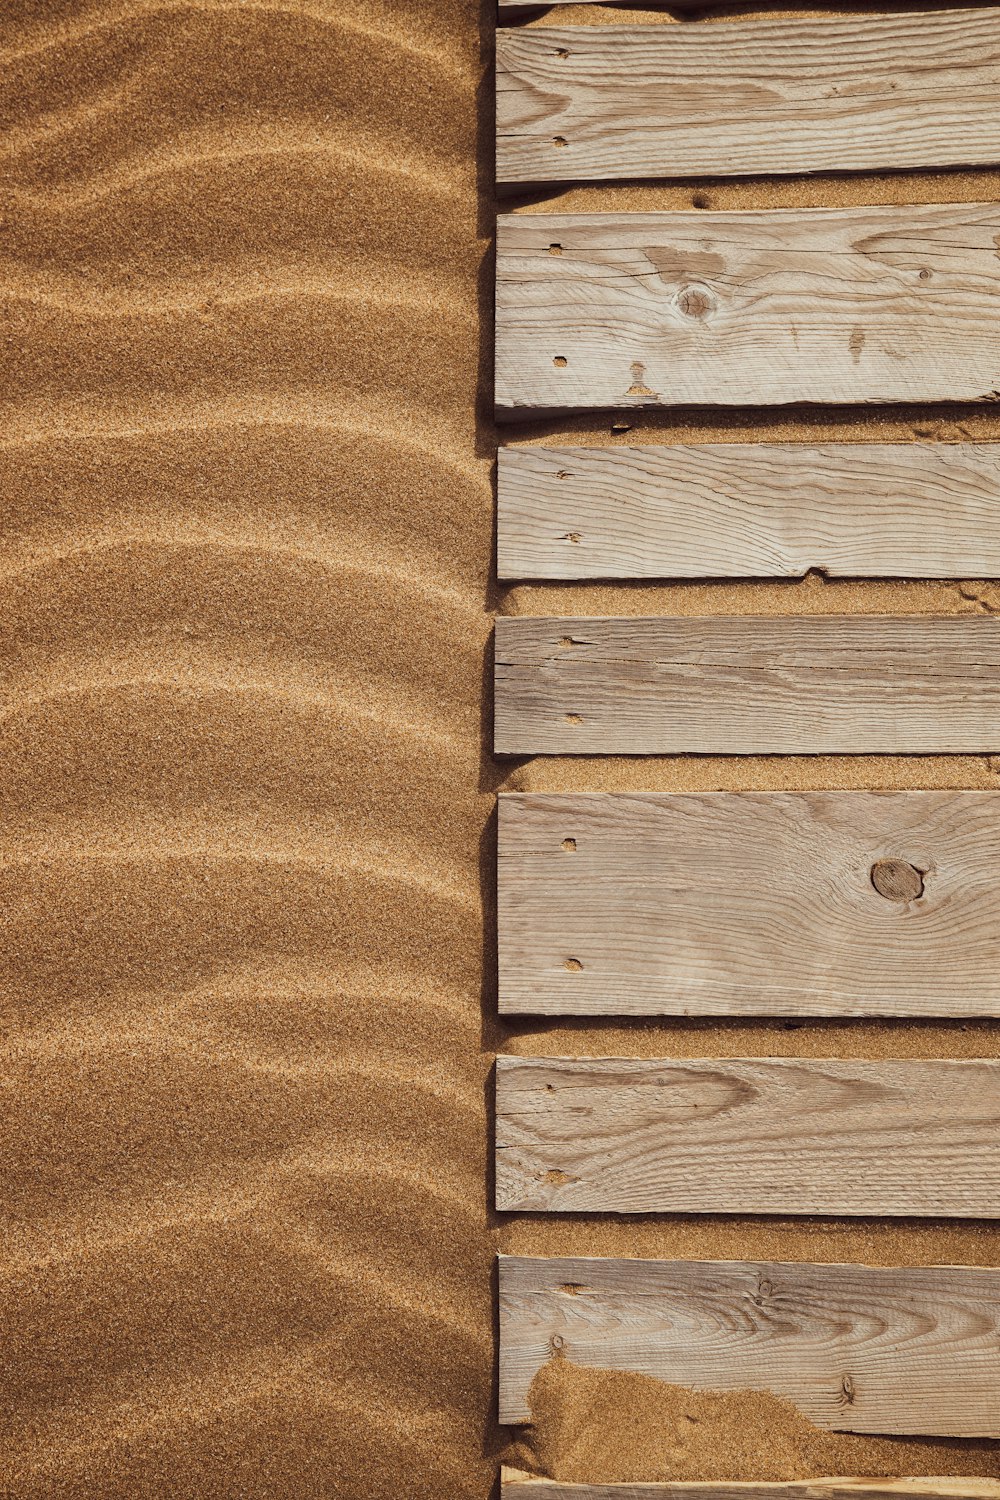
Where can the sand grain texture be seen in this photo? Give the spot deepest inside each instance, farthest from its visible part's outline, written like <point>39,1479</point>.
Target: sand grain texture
<point>246,540</point>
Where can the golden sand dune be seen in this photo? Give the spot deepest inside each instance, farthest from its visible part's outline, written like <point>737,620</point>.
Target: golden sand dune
<point>246,540</point>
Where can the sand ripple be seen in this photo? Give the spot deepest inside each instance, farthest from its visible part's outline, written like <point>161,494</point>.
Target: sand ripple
<point>242,634</point>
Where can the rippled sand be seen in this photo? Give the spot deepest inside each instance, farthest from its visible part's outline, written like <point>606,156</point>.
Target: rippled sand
<point>246,544</point>
<point>246,536</point>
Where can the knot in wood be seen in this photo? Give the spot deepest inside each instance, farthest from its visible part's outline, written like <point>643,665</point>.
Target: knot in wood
<point>897,880</point>
<point>696,302</point>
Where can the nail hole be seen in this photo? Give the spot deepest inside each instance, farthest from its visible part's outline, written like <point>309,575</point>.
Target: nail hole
<point>560,361</point>
<point>569,845</point>
<point>563,474</point>
<point>559,140</point>
<point>573,965</point>
<point>573,718</point>
<point>562,52</point>
<point>555,249</point>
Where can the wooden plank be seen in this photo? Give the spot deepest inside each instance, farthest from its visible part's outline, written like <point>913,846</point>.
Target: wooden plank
<point>777,306</point>
<point>831,684</point>
<point>774,95</point>
<point>750,510</point>
<point>516,1485</point>
<point>907,1350</point>
<point>748,1136</point>
<point>508,8</point>
<point>750,903</point>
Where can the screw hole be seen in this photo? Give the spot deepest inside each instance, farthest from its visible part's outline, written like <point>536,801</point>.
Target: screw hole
<point>560,361</point>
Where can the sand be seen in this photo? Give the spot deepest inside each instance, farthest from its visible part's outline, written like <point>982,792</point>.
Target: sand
<point>248,996</point>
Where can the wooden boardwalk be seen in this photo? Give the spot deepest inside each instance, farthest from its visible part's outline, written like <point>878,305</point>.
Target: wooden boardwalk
<point>804,904</point>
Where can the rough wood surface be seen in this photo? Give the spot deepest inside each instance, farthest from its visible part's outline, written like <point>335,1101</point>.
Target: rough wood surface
<point>750,903</point>
<point>775,95</point>
<point>516,1485</point>
<point>745,510</point>
<point>857,1348</point>
<point>833,684</point>
<point>777,306</point>
<point>748,1136</point>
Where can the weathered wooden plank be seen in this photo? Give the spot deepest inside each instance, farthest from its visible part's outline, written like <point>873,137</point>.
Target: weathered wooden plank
<point>775,95</point>
<point>748,1136</point>
<point>857,1348</point>
<point>775,306</point>
<point>758,685</point>
<point>745,510</point>
<point>516,1485</point>
<point>750,903</point>
<point>516,8</point>
<point>508,8</point>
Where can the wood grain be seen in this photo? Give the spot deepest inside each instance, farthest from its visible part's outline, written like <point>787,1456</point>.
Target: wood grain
<point>748,1136</point>
<point>832,684</point>
<point>746,510</point>
<point>777,306</point>
<point>749,903</point>
<point>774,95</point>
<point>909,1350</point>
<point>516,1485</point>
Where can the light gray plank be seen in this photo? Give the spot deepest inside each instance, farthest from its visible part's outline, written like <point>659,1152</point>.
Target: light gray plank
<point>750,903</point>
<point>768,95</point>
<point>516,1485</point>
<point>778,306</point>
<point>748,1136</point>
<point>746,510</point>
<point>857,1348</point>
<point>832,684</point>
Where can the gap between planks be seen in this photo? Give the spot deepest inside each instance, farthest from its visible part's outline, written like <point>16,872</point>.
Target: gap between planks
<point>769,307</point>
<point>896,1350</point>
<point>768,96</point>
<point>747,685</point>
<point>749,510</point>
